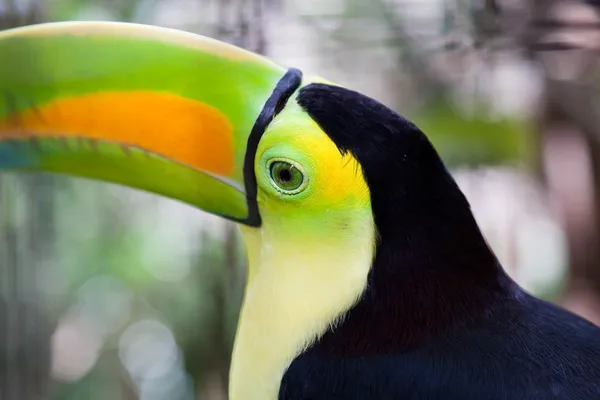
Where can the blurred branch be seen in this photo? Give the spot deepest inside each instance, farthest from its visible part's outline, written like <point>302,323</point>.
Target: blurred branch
<point>428,81</point>
<point>261,40</point>
<point>246,28</point>
<point>242,37</point>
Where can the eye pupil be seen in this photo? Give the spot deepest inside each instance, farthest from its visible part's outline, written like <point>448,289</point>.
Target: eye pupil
<point>285,175</point>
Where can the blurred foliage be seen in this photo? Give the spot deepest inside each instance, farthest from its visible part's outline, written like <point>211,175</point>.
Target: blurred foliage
<point>405,38</point>
<point>477,140</point>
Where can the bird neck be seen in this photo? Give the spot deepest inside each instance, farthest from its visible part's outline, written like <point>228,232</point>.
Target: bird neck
<point>432,269</point>
<point>298,286</point>
<point>432,272</point>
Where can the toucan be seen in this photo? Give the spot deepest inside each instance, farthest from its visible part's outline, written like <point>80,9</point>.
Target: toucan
<point>368,276</point>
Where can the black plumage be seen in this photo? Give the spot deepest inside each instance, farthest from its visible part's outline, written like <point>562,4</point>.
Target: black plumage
<point>440,319</point>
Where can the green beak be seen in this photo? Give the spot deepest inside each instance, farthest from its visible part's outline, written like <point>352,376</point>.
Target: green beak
<point>151,108</point>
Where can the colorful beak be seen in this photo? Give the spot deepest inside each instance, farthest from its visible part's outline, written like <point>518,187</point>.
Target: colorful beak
<point>151,108</point>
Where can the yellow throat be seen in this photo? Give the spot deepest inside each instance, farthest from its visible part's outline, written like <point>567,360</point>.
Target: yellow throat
<point>293,294</point>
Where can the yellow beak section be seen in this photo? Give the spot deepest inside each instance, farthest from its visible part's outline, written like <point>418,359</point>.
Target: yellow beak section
<point>156,109</point>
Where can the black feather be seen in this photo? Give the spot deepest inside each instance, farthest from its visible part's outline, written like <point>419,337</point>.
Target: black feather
<point>440,318</point>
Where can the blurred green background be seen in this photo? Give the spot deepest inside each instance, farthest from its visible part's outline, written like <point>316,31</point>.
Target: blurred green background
<point>111,293</point>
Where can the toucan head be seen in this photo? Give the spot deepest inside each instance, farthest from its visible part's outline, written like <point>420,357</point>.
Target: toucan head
<point>317,175</point>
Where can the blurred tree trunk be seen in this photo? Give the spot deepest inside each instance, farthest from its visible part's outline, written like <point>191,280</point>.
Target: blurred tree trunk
<point>26,234</point>
<point>26,231</point>
<point>14,16</point>
<point>242,24</point>
<point>226,292</point>
<point>569,130</point>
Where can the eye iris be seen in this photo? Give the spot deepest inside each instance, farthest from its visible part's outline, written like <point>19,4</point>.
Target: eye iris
<point>286,176</point>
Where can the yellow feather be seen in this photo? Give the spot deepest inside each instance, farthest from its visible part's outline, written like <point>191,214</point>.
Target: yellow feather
<point>308,263</point>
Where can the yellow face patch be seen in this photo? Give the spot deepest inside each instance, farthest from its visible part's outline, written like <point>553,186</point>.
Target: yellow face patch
<point>308,262</point>
<point>334,182</point>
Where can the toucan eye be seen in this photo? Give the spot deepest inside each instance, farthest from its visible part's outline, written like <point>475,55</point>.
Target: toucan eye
<point>286,176</point>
